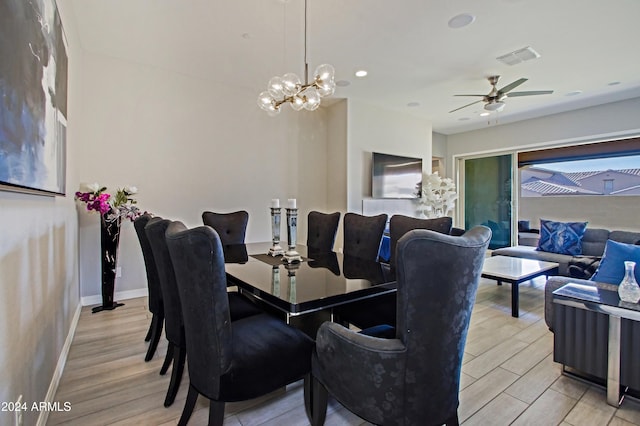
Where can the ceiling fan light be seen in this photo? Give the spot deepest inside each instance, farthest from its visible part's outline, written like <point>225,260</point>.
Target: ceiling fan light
<point>494,106</point>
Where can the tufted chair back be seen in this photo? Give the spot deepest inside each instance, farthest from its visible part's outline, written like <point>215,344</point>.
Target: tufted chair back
<point>153,282</point>
<point>228,361</point>
<point>156,306</point>
<point>400,225</point>
<point>413,378</point>
<point>321,230</point>
<point>363,234</point>
<point>198,257</point>
<point>231,227</point>
<point>155,230</point>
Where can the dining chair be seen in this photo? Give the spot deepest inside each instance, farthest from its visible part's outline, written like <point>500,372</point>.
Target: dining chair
<point>231,227</point>
<point>321,230</point>
<point>228,360</point>
<point>363,234</point>
<point>381,310</point>
<point>414,377</point>
<point>174,327</point>
<point>400,225</point>
<point>156,306</point>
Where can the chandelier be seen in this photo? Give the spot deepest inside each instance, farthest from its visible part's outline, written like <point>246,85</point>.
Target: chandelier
<point>290,89</point>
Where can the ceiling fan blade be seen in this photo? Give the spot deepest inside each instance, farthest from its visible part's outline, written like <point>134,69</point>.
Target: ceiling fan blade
<point>530,93</point>
<point>482,96</point>
<point>512,86</point>
<point>454,110</point>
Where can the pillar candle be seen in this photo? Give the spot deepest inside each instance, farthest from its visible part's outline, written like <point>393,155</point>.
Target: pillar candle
<point>292,203</point>
<point>275,203</point>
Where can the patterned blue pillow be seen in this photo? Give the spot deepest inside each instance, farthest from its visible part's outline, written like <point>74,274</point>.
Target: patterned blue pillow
<point>561,237</point>
<point>611,269</point>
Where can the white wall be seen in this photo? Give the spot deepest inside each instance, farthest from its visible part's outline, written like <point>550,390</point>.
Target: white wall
<point>588,124</point>
<point>604,122</point>
<point>373,129</point>
<point>439,145</point>
<point>337,162</point>
<point>190,145</point>
<point>39,285</point>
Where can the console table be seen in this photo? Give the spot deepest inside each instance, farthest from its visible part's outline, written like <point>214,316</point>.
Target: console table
<point>607,302</point>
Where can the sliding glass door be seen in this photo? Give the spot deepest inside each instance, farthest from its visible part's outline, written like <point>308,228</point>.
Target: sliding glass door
<point>488,196</point>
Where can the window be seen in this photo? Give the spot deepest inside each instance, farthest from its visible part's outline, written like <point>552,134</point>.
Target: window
<point>605,168</point>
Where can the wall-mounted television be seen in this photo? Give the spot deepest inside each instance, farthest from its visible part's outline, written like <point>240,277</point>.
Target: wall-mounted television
<point>394,176</point>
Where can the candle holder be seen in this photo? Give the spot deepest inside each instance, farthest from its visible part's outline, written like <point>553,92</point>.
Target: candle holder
<point>275,281</point>
<point>291,255</point>
<point>291,276</point>
<point>276,249</point>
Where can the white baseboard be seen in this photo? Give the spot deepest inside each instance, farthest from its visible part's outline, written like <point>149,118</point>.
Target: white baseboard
<point>57,373</point>
<point>119,295</point>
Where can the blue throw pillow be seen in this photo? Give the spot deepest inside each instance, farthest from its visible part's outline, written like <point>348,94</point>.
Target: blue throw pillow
<point>611,269</point>
<point>561,237</point>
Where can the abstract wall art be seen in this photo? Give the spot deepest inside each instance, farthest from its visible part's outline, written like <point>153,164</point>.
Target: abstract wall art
<point>33,97</point>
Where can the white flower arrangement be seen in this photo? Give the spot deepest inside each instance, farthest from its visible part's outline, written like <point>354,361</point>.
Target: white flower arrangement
<point>438,195</point>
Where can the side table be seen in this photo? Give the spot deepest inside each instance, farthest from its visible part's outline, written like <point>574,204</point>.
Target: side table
<point>606,302</point>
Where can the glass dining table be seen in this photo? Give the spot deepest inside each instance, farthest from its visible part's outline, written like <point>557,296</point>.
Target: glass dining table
<point>318,283</point>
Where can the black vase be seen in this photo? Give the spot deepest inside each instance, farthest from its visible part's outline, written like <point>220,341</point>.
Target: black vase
<point>109,239</point>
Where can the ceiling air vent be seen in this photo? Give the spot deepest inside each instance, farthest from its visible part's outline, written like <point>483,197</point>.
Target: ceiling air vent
<point>518,56</point>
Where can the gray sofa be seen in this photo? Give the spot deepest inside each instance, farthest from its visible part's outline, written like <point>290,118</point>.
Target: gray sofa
<point>593,244</point>
<point>580,337</point>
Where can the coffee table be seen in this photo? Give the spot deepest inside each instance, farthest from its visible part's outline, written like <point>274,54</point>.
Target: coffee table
<point>516,270</point>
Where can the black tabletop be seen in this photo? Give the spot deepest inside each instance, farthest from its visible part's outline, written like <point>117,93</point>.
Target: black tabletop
<point>598,300</point>
<point>320,281</point>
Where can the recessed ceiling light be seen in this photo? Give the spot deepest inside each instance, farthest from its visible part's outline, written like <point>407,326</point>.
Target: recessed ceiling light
<point>574,93</point>
<point>484,114</point>
<point>342,83</point>
<point>461,20</point>
<point>361,73</point>
<point>413,104</point>
<point>614,83</point>
<point>463,119</point>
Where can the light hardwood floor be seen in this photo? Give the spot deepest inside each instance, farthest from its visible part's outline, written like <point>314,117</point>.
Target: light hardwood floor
<point>508,376</point>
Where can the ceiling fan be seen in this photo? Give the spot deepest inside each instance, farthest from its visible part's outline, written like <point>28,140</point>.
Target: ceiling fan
<point>494,101</point>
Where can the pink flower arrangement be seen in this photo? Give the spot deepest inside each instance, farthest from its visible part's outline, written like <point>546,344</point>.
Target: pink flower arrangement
<point>120,206</point>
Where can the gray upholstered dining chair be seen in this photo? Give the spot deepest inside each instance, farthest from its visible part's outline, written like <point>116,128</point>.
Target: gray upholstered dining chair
<point>228,360</point>
<point>321,230</point>
<point>363,234</point>
<point>231,227</point>
<point>413,378</point>
<point>382,310</point>
<point>400,225</point>
<point>156,306</point>
<point>174,328</point>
